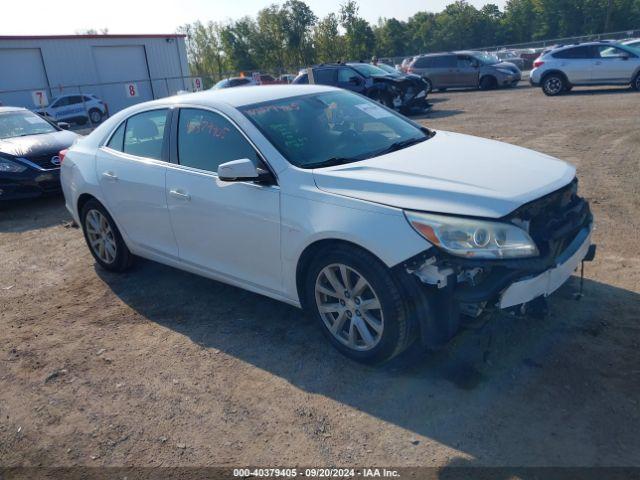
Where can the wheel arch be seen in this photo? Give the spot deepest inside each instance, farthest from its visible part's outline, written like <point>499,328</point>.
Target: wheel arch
<point>313,249</point>
<point>557,72</point>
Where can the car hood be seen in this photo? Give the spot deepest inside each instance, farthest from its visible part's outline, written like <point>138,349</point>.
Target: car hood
<point>450,173</point>
<point>32,145</point>
<point>506,65</point>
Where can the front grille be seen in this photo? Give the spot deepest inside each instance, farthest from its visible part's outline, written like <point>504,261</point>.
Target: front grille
<point>44,161</point>
<point>555,219</point>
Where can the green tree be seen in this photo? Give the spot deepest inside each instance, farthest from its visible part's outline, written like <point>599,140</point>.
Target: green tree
<point>359,40</point>
<point>327,41</point>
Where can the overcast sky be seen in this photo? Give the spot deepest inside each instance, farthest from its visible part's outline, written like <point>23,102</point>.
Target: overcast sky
<point>44,17</point>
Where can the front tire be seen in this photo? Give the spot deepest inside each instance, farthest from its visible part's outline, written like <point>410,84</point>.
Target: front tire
<point>358,304</point>
<point>636,83</point>
<point>488,83</point>
<point>103,238</point>
<point>553,85</point>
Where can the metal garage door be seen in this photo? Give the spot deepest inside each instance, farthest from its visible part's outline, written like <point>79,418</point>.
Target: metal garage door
<point>125,65</point>
<point>22,68</point>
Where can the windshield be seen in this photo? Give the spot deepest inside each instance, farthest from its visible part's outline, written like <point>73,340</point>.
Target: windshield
<point>325,129</point>
<point>367,70</point>
<point>387,68</point>
<point>23,123</point>
<point>486,58</point>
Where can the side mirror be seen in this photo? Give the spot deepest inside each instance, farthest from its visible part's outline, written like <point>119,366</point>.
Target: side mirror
<point>63,125</point>
<point>624,57</point>
<point>355,80</point>
<point>243,170</point>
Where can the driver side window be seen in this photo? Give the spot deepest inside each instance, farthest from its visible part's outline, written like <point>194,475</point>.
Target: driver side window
<point>345,75</point>
<point>206,140</point>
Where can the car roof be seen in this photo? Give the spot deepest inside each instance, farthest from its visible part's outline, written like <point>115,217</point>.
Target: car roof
<point>12,109</point>
<point>238,97</point>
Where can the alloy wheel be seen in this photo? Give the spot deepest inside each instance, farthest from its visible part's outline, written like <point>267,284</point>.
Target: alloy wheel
<point>553,85</point>
<point>101,237</point>
<point>349,307</point>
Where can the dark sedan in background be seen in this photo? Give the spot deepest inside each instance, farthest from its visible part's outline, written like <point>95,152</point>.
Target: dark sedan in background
<point>30,154</point>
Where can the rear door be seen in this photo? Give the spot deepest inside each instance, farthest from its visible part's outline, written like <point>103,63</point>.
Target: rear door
<point>71,108</point>
<point>443,70</point>
<point>131,170</point>
<point>230,228</point>
<point>613,65</point>
<point>577,63</point>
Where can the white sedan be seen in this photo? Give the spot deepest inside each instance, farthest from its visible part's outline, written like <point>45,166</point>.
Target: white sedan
<point>383,230</point>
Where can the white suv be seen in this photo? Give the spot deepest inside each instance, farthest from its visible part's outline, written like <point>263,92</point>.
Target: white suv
<point>383,230</point>
<point>593,63</point>
<point>76,108</point>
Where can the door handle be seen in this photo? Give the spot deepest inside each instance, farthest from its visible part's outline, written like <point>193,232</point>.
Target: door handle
<point>110,176</point>
<point>176,193</point>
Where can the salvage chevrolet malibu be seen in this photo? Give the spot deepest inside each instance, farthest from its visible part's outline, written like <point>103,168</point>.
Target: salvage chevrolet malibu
<point>385,231</point>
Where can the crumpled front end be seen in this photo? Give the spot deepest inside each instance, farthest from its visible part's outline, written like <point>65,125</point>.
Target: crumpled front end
<point>560,223</point>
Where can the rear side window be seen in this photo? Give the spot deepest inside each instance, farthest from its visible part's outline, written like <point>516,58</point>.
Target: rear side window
<point>423,62</point>
<point>445,61</point>
<point>207,139</point>
<point>117,139</point>
<point>576,53</point>
<point>325,76</point>
<point>144,134</point>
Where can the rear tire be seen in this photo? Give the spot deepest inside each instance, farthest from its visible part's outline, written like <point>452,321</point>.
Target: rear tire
<point>95,116</point>
<point>636,83</point>
<point>338,284</point>
<point>103,238</point>
<point>553,84</point>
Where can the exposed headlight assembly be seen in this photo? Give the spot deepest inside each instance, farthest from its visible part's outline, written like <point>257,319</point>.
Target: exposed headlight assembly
<point>9,166</point>
<point>473,238</point>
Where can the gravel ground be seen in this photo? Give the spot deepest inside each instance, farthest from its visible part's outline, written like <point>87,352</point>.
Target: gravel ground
<point>158,367</point>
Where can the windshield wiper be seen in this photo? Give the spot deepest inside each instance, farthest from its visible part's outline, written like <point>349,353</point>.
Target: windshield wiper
<point>394,147</point>
<point>332,162</point>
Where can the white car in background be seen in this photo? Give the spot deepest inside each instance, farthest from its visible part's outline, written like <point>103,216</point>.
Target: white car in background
<point>76,108</point>
<point>383,230</point>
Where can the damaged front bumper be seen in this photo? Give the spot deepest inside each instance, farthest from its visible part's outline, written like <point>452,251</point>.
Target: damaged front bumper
<point>443,286</point>
<point>547,282</point>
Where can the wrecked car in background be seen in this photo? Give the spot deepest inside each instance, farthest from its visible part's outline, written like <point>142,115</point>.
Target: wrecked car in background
<point>384,231</point>
<point>394,90</point>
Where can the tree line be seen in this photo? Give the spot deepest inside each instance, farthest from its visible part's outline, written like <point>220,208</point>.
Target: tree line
<point>283,38</point>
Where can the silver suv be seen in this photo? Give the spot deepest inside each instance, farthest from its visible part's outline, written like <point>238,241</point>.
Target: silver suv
<point>464,69</point>
<point>593,63</point>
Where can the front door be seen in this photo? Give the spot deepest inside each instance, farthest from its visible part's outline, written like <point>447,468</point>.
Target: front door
<point>466,72</point>
<point>131,173</point>
<point>231,228</point>
<point>613,65</point>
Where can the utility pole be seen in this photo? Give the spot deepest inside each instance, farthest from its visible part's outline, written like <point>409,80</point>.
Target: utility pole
<point>607,21</point>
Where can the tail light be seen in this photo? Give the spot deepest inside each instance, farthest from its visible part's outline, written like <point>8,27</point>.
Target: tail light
<point>538,63</point>
<point>409,69</point>
<point>62,154</point>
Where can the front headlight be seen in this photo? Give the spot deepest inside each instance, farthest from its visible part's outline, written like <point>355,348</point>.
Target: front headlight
<point>473,238</point>
<point>8,166</point>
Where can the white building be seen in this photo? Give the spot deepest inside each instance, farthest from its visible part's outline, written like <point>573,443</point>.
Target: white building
<point>120,69</point>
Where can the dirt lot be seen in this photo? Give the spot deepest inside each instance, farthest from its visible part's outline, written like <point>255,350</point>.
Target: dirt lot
<point>159,367</point>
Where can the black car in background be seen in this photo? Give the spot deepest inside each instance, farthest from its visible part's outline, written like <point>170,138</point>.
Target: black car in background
<point>30,154</point>
<point>399,91</point>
